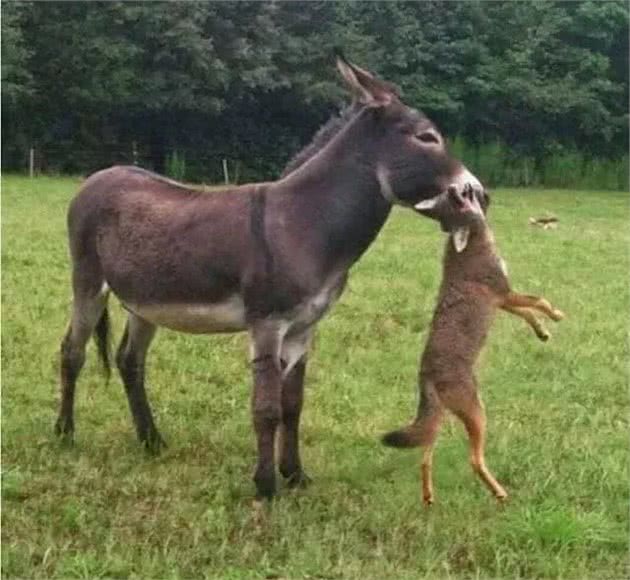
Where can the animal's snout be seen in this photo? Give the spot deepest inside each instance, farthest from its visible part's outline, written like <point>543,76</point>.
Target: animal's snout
<point>468,197</point>
<point>464,187</point>
<point>465,180</point>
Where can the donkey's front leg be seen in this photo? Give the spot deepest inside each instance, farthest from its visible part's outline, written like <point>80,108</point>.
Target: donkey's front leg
<point>266,402</point>
<point>292,400</point>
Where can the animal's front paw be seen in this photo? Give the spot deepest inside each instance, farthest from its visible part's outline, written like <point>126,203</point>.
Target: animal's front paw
<point>557,314</point>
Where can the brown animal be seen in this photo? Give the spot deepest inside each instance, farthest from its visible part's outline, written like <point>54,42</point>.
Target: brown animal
<point>474,286</point>
<point>269,259</point>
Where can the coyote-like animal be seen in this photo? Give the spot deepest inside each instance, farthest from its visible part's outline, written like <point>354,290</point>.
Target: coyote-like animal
<point>474,285</point>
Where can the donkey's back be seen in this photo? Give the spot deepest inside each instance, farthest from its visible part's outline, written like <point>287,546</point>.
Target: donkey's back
<point>155,241</point>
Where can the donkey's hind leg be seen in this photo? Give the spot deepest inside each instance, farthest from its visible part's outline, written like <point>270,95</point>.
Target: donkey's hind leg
<point>470,410</point>
<point>130,359</point>
<point>86,312</point>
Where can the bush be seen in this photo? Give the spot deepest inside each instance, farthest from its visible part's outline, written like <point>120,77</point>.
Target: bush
<point>495,165</point>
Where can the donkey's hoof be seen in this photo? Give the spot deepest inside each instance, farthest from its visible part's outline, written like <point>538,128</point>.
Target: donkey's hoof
<point>64,429</point>
<point>153,443</point>
<point>298,480</point>
<point>265,481</point>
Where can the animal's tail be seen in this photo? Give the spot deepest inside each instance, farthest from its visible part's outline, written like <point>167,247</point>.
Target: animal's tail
<point>413,435</point>
<point>101,337</point>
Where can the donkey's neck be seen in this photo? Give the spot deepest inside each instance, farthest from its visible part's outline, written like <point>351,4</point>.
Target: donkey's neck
<point>344,210</point>
<point>336,194</point>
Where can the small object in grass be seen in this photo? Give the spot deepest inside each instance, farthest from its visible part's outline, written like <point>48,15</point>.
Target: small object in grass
<point>546,223</point>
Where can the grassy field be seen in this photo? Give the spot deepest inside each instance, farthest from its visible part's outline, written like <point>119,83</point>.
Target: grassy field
<point>557,413</point>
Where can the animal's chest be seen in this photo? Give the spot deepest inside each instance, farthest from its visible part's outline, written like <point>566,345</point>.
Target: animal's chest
<point>313,307</point>
<point>492,273</point>
<point>502,265</point>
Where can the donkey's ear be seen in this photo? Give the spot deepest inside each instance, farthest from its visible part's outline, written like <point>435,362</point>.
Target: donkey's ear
<point>366,88</point>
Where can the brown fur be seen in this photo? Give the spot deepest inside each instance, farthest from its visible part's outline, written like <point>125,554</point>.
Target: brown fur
<point>474,286</point>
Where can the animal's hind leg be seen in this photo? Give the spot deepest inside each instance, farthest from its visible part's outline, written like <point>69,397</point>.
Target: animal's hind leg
<point>516,300</point>
<point>430,414</point>
<point>427,425</point>
<point>130,359</point>
<point>470,410</point>
<point>86,312</point>
<point>426,472</point>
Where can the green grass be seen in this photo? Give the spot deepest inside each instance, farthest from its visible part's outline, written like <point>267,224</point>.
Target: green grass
<point>557,414</point>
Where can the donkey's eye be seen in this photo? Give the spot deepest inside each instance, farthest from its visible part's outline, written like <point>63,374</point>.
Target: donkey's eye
<point>428,137</point>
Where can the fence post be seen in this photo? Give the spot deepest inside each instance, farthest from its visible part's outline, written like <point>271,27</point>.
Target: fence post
<point>226,175</point>
<point>31,162</point>
<point>237,172</point>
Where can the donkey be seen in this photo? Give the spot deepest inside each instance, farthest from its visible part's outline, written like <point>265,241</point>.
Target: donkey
<point>474,286</point>
<point>266,258</point>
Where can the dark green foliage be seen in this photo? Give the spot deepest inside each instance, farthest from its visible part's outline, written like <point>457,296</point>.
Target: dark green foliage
<point>252,81</point>
<point>495,164</point>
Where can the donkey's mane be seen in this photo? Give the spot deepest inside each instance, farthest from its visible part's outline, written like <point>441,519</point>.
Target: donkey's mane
<point>322,137</point>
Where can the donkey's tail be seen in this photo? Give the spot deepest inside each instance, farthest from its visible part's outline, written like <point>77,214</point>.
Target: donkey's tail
<point>101,337</point>
<point>411,436</point>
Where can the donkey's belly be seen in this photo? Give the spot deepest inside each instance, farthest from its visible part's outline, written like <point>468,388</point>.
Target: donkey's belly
<point>225,316</point>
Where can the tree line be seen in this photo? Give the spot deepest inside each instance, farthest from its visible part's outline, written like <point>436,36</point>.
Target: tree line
<point>177,86</point>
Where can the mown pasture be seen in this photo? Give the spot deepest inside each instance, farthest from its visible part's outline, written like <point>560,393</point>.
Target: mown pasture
<point>557,414</point>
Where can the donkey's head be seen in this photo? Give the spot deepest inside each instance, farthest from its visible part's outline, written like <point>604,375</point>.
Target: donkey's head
<point>407,153</point>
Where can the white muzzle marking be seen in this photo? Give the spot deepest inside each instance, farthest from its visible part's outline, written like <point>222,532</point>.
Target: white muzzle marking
<point>382,175</point>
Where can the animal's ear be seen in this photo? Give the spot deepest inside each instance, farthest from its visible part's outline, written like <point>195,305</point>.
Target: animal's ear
<point>460,238</point>
<point>366,88</point>
<point>427,204</point>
